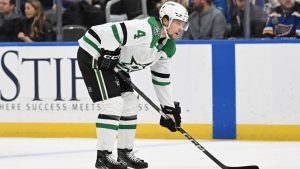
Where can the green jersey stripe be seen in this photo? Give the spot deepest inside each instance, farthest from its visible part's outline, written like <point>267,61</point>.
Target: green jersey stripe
<point>95,67</point>
<point>102,84</point>
<point>90,42</point>
<point>99,83</point>
<point>127,126</point>
<point>161,80</point>
<point>107,126</point>
<point>160,83</point>
<point>94,34</point>
<point>116,33</point>
<point>94,64</point>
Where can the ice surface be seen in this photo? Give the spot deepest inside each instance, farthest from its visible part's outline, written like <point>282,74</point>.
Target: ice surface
<point>70,153</point>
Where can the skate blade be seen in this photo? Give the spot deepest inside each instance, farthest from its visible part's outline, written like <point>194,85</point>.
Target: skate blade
<point>130,167</point>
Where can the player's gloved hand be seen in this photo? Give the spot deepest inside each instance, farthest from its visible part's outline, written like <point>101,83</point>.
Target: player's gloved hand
<point>174,117</point>
<point>108,59</point>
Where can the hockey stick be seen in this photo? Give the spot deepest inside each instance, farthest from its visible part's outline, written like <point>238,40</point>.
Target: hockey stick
<point>190,138</point>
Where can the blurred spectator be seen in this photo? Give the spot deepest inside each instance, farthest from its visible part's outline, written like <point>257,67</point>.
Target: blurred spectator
<point>10,21</point>
<point>132,8</point>
<point>85,13</point>
<point>35,27</point>
<point>269,5</point>
<point>206,22</point>
<point>258,18</point>
<point>284,20</point>
<point>48,4</point>
<point>153,7</point>
<point>51,15</point>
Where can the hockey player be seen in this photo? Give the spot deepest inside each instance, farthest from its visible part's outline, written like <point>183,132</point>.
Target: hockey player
<point>129,46</point>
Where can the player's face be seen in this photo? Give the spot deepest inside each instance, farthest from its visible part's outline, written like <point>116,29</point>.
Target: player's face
<point>176,28</point>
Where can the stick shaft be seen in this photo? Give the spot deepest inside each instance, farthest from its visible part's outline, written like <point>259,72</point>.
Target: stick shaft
<point>190,138</point>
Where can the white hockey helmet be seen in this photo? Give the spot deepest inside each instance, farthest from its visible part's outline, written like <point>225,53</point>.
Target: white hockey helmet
<point>174,11</point>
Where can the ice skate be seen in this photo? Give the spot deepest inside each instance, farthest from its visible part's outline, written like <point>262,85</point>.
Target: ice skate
<point>127,156</point>
<point>105,160</point>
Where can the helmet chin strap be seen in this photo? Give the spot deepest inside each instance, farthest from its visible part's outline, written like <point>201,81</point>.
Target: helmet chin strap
<point>166,32</point>
<point>166,28</point>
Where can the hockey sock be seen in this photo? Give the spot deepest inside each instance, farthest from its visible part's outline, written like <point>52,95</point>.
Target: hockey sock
<point>127,128</point>
<point>108,123</point>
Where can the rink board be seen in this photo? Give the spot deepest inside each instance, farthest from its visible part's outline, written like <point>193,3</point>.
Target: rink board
<point>227,89</point>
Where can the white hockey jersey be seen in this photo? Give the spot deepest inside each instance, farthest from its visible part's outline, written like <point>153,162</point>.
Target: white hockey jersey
<point>140,47</point>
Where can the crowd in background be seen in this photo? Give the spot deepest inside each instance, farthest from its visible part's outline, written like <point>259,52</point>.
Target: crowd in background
<point>35,20</point>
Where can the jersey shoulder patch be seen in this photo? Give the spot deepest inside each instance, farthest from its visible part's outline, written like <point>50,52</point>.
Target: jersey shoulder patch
<point>156,29</point>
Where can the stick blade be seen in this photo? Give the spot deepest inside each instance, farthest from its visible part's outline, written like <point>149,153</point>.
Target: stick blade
<point>245,167</point>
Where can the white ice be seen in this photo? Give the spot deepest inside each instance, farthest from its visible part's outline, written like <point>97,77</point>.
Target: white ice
<point>71,153</point>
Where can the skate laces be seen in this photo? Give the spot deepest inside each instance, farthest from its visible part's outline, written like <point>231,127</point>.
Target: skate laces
<point>132,157</point>
<point>111,159</point>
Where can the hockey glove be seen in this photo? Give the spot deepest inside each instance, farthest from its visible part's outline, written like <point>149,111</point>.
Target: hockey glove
<point>108,59</point>
<point>174,117</point>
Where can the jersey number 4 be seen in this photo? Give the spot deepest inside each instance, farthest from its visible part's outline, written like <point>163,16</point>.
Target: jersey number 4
<point>139,34</point>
